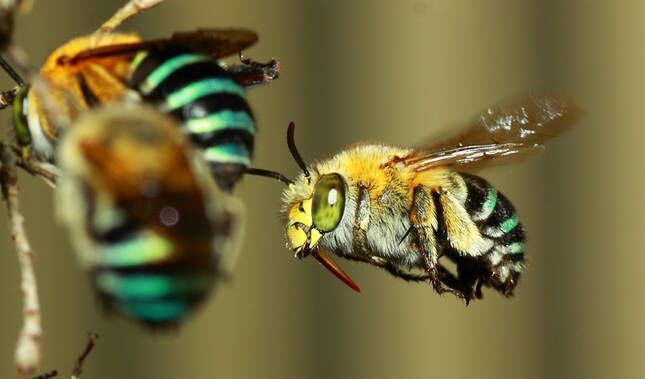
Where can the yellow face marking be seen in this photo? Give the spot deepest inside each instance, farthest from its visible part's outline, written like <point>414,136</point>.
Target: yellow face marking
<point>300,213</point>
<point>315,237</point>
<point>296,237</point>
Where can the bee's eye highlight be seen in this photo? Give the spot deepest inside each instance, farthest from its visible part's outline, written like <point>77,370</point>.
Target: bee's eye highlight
<point>328,202</point>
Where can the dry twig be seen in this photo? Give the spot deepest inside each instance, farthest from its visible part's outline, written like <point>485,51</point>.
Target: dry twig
<point>130,9</point>
<point>47,375</point>
<point>78,367</point>
<point>28,351</point>
<point>45,171</point>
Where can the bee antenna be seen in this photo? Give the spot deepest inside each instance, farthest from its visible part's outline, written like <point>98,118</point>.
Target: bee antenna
<point>294,150</point>
<point>269,174</point>
<point>10,70</point>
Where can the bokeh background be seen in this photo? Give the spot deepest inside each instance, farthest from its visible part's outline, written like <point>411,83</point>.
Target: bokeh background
<point>397,72</point>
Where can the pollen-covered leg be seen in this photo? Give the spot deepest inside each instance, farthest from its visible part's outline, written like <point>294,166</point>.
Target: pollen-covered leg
<point>424,221</point>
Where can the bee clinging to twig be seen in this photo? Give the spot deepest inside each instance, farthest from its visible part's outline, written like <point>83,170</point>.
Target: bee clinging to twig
<point>181,75</point>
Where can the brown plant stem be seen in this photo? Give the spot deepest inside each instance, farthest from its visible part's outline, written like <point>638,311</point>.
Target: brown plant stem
<point>130,9</point>
<point>28,351</point>
<point>78,367</point>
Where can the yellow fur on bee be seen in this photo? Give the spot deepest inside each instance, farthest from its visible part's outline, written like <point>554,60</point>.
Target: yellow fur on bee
<point>434,179</point>
<point>104,76</point>
<point>57,59</point>
<point>463,234</point>
<point>364,165</point>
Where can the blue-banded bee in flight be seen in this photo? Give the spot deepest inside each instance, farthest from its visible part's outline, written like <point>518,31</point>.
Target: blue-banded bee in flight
<point>146,219</point>
<point>404,209</point>
<point>180,75</point>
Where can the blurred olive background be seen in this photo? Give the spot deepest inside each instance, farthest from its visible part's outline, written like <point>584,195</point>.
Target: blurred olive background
<point>396,72</point>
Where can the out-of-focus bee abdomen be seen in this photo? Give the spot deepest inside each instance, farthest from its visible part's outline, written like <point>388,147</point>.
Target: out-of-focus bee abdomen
<point>496,219</point>
<point>207,100</point>
<point>145,275</point>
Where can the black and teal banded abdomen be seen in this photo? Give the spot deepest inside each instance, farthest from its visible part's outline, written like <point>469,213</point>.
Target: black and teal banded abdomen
<point>207,100</point>
<point>140,276</point>
<point>497,220</point>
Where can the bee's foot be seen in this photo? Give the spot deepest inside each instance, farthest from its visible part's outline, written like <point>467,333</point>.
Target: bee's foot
<point>440,287</point>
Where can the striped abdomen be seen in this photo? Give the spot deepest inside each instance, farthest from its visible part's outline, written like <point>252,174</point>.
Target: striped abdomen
<point>207,100</point>
<point>147,276</point>
<point>495,217</point>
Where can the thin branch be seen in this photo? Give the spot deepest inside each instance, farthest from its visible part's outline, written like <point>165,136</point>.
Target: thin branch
<point>130,9</point>
<point>78,367</point>
<point>28,352</point>
<point>43,170</point>
<point>78,364</point>
<point>47,375</point>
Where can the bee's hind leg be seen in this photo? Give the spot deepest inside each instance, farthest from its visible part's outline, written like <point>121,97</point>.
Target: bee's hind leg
<point>425,223</point>
<point>253,74</point>
<point>455,286</point>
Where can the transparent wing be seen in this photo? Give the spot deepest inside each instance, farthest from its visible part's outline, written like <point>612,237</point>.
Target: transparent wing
<point>218,43</point>
<point>508,131</point>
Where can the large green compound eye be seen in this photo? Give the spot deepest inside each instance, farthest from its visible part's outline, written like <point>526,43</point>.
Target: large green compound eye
<point>328,202</point>
<point>20,119</point>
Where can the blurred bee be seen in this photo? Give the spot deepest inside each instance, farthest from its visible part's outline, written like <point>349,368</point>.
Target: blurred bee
<point>180,75</point>
<point>146,219</point>
<point>403,209</point>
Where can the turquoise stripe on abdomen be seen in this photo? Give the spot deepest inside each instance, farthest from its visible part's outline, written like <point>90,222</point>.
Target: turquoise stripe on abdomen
<point>515,248</point>
<point>156,311</point>
<point>225,119</point>
<point>150,286</point>
<point>487,206</point>
<point>194,91</point>
<point>506,226</point>
<point>228,153</point>
<point>509,224</point>
<point>140,250</point>
<point>167,68</point>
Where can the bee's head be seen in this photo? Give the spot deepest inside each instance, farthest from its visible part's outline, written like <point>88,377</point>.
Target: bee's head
<point>310,218</point>
<point>313,206</point>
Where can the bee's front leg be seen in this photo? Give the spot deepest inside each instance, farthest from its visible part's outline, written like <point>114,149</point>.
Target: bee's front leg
<point>423,219</point>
